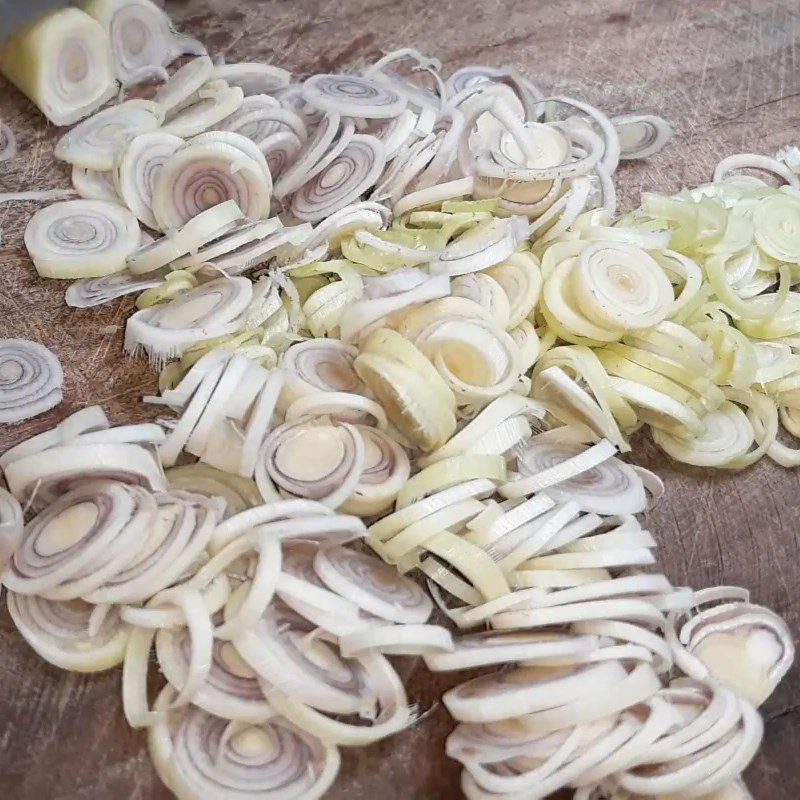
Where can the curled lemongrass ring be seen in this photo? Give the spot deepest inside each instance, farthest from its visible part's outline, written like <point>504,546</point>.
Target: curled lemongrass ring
<point>213,102</point>
<point>212,309</point>
<point>137,171</point>
<point>80,540</point>
<point>231,690</point>
<point>201,176</point>
<point>398,640</point>
<point>96,142</point>
<point>484,290</point>
<point>777,226</point>
<point>720,641</point>
<point>351,95</point>
<point>343,181</point>
<point>372,585</point>
<point>723,171</point>
<point>329,478</point>
<point>280,149</point>
<point>31,380</point>
<point>641,135</point>
<point>184,82</point>
<point>59,633</point>
<point>81,239</point>
<point>341,406</point>
<point>201,755</point>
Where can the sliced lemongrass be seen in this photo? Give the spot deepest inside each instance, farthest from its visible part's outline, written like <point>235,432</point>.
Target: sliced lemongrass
<point>339,451</point>
<point>93,185</point>
<point>342,181</point>
<point>11,527</point>
<point>351,95</point>
<point>214,102</point>
<point>201,176</point>
<point>253,77</point>
<point>398,640</point>
<point>31,380</point>
<point>260,422</point>
<point>723,171</point>
<point>183,83</point>
<point>137,170</point>
<point>641,135</point>
<point>237,492</point>
<point>58,632</point>
<point>81,239</point>
<point>96,142</point>
<point>212,309</point>
<point>70,73</point>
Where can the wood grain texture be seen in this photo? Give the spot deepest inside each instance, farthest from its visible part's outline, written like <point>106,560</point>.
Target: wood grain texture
<point>725,72</point>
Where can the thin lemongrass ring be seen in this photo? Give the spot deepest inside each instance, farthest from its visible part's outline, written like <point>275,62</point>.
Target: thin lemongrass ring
<point>723,171</point>
<point>81,239</point>
<point>351,95</point>
<point>31,380</point>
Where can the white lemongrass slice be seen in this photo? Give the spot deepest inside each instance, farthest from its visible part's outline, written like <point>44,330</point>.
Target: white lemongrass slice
<point>723,172</point>
<point>184,82</point>
<point>238,493</point>
<point>206,226</point>
<point>386,470</point>
<point>241,143</point>
<point>97,142</point>
<point>212,309</point>
<point>140,34</point>
<point>93,185</point>
<point>280,149</point>
<point>81,239</point>
<point>354,96</point>
<point>31,380</point>
<point>261,116</point>
<point>245,232</point>
<point>487,649</point>
<point>393,713</point>
<point>332,475</point>
<point>641,135</point>
<point>590,477</point>
<point>253,77</point>
<point>372,585</point>
<point>398,640</point>
<point>363,315</point>
<point>11,527</point>
<point>59,633</point>
<point>62,63</point>
<point>214,102</point>
<point>89,533</point>
<point>175,540</point>
<point>88,419</point>
<point>481,288</point>
<point>482,246</point>
<point>201,176</point>
<point>231,690</point>
<point>755,638</point>
<point>42,476</point>
<point>137,171</point>
<point>342,181</point>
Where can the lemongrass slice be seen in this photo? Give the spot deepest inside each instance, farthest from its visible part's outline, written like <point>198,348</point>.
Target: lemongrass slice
<point>200,755</point>
<point>399,640</point>
<point>62,63</point>
<point>93,185</point>
<point>214,102</point>
<point>330,478</point>
<point>245,232</point>
<point>59,633</point>
<point>600,484</point>
<point>137,171</point>
<point>231,690</point>
<point>81,239</point>
<point>253,77</point>
<point>11,527</point>
<point>201,176</point>
<point>280,149</point>
<point>744,646</point>
<point>342,181</point>
<point>97,142</point>
<point>241,143</point>
<point>641,135</point>
<point>723,172</point>
<point>354,96</point>
<point>372,585</point>
<point>80,540</point>
<point>486,244</point>
<point>393,713</point>
<point>31,380</point>
<point>212,309</point>
<point>184,82</point>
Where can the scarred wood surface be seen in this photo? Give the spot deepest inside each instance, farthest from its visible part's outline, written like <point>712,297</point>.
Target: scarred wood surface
<point>725,72</point>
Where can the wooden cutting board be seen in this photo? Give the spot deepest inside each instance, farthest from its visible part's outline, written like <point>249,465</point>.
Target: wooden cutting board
<point>726,73</point>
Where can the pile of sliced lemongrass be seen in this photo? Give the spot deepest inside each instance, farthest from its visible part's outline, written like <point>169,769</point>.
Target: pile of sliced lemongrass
<point>443,330</point>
